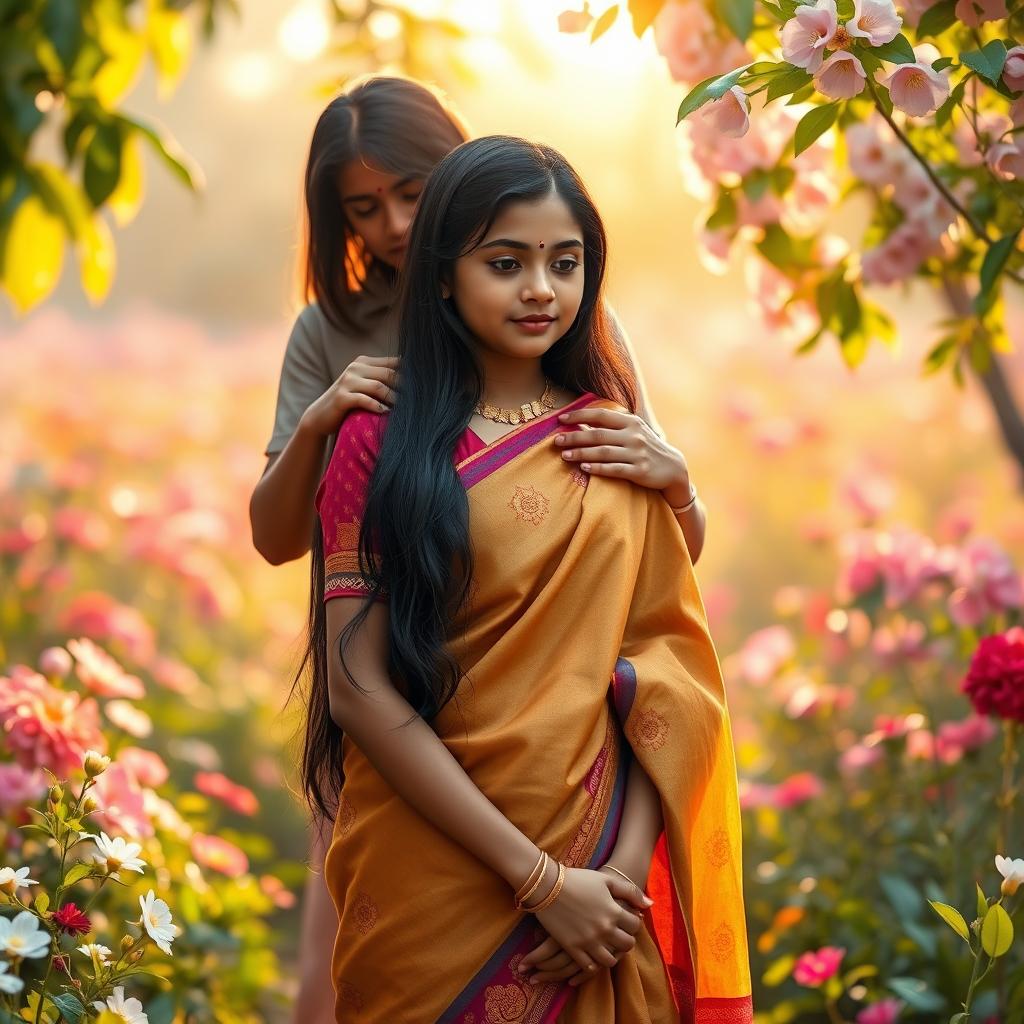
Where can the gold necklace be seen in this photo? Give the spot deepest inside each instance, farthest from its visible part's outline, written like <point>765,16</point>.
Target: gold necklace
<point>519,414</point>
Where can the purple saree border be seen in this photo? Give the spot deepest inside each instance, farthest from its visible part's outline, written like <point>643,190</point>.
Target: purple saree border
<point>623,689</point>
<point>480,465</point>
<point>496,970</point>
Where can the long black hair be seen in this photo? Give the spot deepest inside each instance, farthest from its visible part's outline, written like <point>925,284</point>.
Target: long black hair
<point>395,125</point>
<point>414,539</point>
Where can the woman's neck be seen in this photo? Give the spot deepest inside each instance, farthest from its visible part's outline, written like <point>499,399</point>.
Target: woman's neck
<point>510,382</point>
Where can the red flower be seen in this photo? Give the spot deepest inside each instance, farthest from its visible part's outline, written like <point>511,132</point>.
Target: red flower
<point>995,680</point>
<point>72,920</point>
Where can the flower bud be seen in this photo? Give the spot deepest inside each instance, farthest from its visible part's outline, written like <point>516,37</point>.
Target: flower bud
<point>89,804</point>
<point>137,955</point>
<point>126,943</point>
<point>95,763</point>
<point>1010,886</point>
<point>55,796</point>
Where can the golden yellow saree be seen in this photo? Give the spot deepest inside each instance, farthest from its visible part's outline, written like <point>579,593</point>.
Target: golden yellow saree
<point>586,645</point>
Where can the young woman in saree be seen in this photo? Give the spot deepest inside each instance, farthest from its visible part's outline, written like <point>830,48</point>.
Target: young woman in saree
<point>516,715</point>
<point>372,149</point>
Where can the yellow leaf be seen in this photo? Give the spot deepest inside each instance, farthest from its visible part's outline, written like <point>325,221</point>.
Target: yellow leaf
<point>33,253</point>
<point>996,931</point>
<point>170,42</point>
<point>125,50</point>
<point>98,259</point>
<point>125,200</point>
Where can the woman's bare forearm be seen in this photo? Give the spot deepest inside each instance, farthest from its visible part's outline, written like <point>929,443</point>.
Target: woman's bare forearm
<point>412,759</point>
<point>282,510</point>
<point>641,825</point>
<point>693,523</point>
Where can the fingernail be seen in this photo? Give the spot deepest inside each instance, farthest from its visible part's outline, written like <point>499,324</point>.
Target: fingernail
<point>566,455</point>
<point>650,902</point>
<point>559,438</point>
<point>585,466</point>
<point>563,417</point>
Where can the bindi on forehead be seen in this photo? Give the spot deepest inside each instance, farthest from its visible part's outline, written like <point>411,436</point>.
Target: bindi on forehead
<point>540,245</point>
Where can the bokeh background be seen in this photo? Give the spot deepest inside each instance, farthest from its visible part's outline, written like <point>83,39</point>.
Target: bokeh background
<point>132,432</point>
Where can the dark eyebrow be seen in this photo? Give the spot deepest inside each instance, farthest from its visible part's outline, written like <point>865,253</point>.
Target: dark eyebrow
<point>394,188</point>
<point>511,243</point>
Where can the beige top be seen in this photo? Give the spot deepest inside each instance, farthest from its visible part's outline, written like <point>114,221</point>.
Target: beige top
<point>318,353</point>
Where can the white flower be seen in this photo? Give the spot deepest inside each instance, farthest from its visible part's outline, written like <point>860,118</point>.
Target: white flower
<point>117,853</point>
<point>8,982</point>
<point>95,763</point>
<point>102,953</point>
<point>156,919</point>
<point>874,20</point>
<point>1012,871</point>
<point>129,1010</point>
<point>21,936</point>
<point>10,880</point>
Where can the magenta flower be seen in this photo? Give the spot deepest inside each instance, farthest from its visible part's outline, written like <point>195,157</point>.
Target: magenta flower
<point>884,1012</point>
<point>798,789</point>
<point>995,679</point>
<point>815,968</point>
<point>986,582</point>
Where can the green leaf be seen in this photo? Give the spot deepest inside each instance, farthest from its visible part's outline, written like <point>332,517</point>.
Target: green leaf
<point>784,251</point>
<point>953,918</point>
<point>996,931</point>
<point>991,267</point>
<point>959,1018</point>
<point>77,873</point>
<point>102,169</point>
<point>724,215</point>
<point>70,1007</point>
<point>41,903</point>
<point>786,84</point>
<point>604,23</point>
<point>709,89</point>
<point>171,154</point>
<point>738,15</point>
<point>982,901</point>
<point>917,994</point>
<point>937,19</point>
<point>933,362</point>
<point>813,125</point>
<point>988,61</point>
<point>778,971</point>
<point>945,112</point>
<point>896,51</point>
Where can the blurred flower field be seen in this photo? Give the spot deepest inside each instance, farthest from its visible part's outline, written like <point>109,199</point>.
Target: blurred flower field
<point>850,582</point>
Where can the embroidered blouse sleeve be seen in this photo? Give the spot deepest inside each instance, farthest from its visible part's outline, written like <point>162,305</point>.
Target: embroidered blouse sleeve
<point>341,499</point>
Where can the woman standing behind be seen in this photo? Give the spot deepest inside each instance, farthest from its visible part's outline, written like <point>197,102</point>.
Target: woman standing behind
<point>371,151</point>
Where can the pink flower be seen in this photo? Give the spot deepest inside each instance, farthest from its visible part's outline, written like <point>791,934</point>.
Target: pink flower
<point>71,920</point>
<point>128,717</point>
<point>971,146</point>
<point>121,800</point>
<point>101,673</point>
<point>954,739</point>
<point>687,37</point>
<point>218,854</point>
<point>174,675</point>
<point>858,757</point>
<point>841,77</point>
<point>798,789</point>
<point>82,528</point>
<point>814,969</point>
<point>995,680</point>
<point>764,654</point>
<point>730,113</point>
<point>869,493</point>
<point>1005,160</point>
<point>884,1012</point>
<point>986,583</point>
<point>808,32</point>
<point>275,889</point>
<point>755,794</point>
<point>20,787</point>
<point>901,640</point>
<point>916,88</point>
<point>55,662</point>
<point>974,12</point>
<point>1013,69</point>
<point>231,794</point>
<point>874,20</point>
<point>902,560</point>
<point>99,616</point>
<point>146,765</point>
<point>47,727</point>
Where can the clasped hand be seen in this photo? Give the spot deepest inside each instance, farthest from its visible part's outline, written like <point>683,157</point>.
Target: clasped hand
<point>592,924</point>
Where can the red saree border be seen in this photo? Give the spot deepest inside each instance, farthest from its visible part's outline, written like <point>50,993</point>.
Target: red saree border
<point>737,1010</point>
<point>481,464</point>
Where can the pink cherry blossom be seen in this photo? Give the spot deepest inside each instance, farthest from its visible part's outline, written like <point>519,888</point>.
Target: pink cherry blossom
<point>688,38</point>
<point>871,152</point>
<point>917,89</point>
<point>219,855</point>
<point>730,113</point>
<point>975,12</point>
<point>886,1011</point>
<point>798,789</point>
<point>874,20</point>
<point>713,249</point>
<point>970,146</point>
<point>20,787</point>
<point>840,77</point>
<point>986,582</point>
<point>1005,160</point>
<point>815,968</point>
<point>101,673</point>
<point>1013,69</point>
<point>45,726</point>
<point>808,32</point>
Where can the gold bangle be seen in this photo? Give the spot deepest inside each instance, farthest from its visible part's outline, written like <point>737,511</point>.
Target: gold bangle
<point>551,896</point>
<point>530,876</point>
<point>519,901</point>
<point>611,867</point>
<point>686,508</point>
